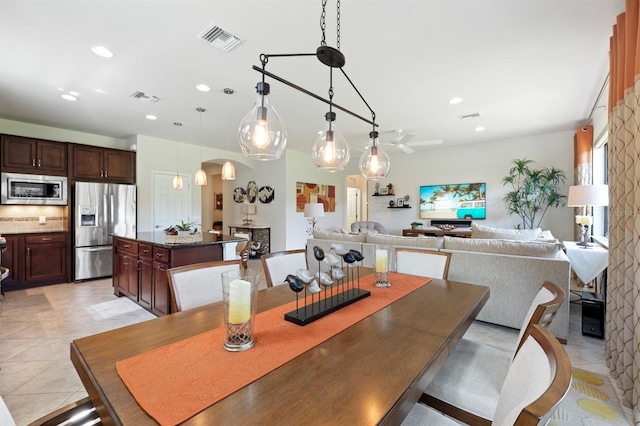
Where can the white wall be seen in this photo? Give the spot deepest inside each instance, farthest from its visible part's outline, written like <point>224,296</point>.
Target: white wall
<point>300,168</point>
<point>488,162</point>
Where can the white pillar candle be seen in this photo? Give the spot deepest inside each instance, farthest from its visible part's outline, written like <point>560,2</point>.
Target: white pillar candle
<point>239,301</point>
<point>382,261</point>
<point>587,220</point>
<point>578,219</point>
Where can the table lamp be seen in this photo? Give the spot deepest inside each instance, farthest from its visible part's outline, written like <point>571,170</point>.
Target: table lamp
<point>587,196</point>
<point>248,209</point>
<point>311,212</point>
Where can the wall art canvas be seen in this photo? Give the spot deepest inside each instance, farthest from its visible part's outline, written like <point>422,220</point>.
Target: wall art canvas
<point>252,191</point>
<point>239,194</point>
<point>315,193</point>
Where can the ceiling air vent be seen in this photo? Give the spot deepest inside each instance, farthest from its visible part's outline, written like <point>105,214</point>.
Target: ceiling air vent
<point>144,97</point>
<point>470,116</point>
<point>219,38</point>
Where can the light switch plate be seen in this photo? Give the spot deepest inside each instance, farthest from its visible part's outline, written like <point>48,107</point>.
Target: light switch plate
<point>43,220</point>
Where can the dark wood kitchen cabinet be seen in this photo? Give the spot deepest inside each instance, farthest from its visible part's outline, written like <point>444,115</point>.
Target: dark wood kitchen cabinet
<point>33,156</point>
<point>99,164</point>
<point>125,277</point>
<point>36,259</point>
<point>147,282</point>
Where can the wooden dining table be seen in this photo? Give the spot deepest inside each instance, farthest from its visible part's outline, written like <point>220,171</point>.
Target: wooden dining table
<point>370,373</point>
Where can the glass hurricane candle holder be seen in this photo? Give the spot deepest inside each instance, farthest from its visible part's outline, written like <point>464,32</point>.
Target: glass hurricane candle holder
<point>382,268</point>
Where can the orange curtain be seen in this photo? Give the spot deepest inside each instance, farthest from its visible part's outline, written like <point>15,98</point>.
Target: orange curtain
<point>623,288</point>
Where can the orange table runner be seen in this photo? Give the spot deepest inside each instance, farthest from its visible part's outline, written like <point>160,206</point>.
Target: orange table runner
<point>177,381</point>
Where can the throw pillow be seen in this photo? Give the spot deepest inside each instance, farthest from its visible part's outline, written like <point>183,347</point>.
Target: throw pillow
<point>482,231</point>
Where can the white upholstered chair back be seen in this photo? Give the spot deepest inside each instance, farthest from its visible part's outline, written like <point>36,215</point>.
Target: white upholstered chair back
<point>280,264</point>
<point>538,378</point>
<point>425,263</point>
<point>198,284</point>
<point>368,225</point>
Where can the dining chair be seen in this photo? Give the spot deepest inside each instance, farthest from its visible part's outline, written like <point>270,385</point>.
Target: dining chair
<point>280,264</point>
<point>538,379</point>
<point>198,284</point>
<point>474,373</point>
<point>425,263</point>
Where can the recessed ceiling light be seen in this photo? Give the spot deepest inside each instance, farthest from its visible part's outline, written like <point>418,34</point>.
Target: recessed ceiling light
<point>102,51</point>
<point>72,93</point>
<point>150,117</point>
<point>68,97</point>
<point>454,101</point>
<point>203,88</point>
<point>100,91</point>
<point>479,129</point>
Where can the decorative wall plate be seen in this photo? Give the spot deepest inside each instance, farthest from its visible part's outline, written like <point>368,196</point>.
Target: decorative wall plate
<point>252,191</point>
<point>239,194</point>
<point>266,194</point>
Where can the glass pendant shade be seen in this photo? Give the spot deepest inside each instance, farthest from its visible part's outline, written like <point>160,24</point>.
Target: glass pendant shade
<point>263,135</point>
<point>177,182</point>
<point>330,152</point>
<point>374,162</point>
<point>201,178</point>
<point>228,171</point>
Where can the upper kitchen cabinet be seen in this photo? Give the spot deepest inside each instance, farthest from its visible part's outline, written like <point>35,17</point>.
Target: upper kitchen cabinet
<point>33,156</point>
<point>102,164</point>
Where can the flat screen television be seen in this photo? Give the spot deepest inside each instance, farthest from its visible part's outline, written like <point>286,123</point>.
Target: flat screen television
<point>453,201</point>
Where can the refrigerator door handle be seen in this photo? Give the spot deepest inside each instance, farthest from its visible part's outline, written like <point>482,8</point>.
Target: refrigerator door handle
<point>105,248</point>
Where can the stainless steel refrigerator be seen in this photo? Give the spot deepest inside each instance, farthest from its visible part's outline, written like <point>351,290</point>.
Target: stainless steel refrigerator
<point>100,211</point>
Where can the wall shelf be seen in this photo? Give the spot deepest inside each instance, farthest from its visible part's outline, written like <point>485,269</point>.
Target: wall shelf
<point>383,195</point>
<point>401,207</point>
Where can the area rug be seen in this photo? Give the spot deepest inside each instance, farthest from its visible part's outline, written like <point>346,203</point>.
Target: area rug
<point>591,401</point>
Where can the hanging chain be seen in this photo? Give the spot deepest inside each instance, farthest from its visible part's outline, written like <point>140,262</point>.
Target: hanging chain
<point>323,23</point>
<point>338,25</point>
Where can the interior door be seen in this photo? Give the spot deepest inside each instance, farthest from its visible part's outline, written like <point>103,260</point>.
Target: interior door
<point>353,206</point>
<point>170,205</point>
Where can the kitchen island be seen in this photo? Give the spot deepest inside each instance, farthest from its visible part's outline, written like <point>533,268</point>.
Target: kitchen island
<point>140,264</point>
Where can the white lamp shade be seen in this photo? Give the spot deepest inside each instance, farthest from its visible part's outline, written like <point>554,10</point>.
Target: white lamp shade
<point>314,210</point>
<point>201,177</point>
<point>228,171</point>
<point>588,195</point>
<point>248,209</point>
<point>177,182</point>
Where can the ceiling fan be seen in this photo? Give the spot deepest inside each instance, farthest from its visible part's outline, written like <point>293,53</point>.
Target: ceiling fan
<point>403,142</point>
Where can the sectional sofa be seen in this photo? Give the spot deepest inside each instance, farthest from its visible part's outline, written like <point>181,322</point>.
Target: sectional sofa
<point>512,267</point>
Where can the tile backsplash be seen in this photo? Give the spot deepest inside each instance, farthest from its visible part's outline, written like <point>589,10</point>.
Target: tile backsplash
<point>17,219</point>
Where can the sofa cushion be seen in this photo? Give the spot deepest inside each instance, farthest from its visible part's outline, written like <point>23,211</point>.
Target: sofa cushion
<point>434,243</point>
<point>483,231</point>
<point>510,247</point>
<point>328,235</point>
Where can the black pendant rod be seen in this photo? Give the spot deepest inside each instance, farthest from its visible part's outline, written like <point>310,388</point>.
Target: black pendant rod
<point>313,95</point>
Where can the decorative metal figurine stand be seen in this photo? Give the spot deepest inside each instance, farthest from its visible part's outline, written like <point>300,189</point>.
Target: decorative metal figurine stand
<point>346,292</point>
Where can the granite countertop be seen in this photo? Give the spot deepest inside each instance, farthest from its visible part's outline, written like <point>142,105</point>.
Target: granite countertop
<point>158,239</point>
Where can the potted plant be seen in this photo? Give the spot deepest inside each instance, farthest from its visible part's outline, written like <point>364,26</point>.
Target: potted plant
<point>416,225</point>
<point>184,228</point>
<point>171,230</point>
<point>533,192</point>
<point>390,188</point>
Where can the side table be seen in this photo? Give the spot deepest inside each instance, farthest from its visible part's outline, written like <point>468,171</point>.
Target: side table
<point>588,264</point>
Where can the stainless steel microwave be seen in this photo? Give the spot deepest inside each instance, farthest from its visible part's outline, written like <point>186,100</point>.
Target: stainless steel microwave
<point>18,188</point>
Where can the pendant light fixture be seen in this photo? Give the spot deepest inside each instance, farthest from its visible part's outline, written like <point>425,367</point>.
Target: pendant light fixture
<point>374,162</point>
<point>228,169</point>
<point>262,133</point>
<point>177,179</point>
<point>201,176</point>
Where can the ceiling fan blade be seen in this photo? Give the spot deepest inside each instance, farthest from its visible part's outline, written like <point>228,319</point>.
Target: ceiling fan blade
<point>425,143</point>
<point>405,149</point>
<point>405,138</point>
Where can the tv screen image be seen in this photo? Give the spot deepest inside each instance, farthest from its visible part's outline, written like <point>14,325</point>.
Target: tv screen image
<point>453,201</point>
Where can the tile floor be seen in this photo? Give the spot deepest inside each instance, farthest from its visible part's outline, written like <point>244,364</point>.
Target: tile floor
<point>38,325</point>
